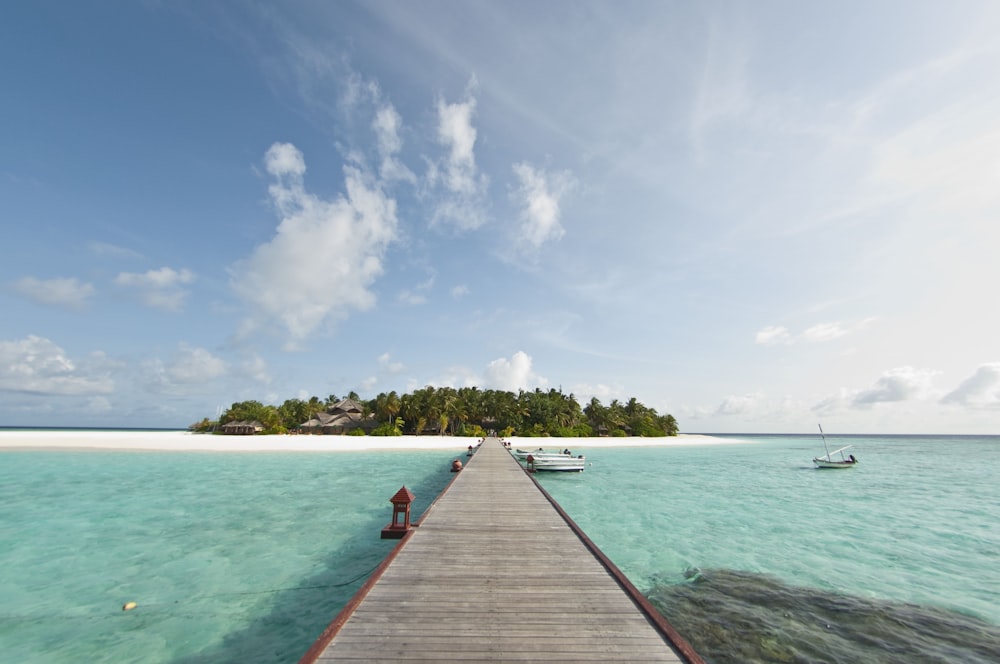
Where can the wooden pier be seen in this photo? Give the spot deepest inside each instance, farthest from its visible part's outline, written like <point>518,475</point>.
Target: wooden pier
<point>495,571</point>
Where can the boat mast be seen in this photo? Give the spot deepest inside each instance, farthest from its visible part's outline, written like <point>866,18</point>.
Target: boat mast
<point>824,442</point>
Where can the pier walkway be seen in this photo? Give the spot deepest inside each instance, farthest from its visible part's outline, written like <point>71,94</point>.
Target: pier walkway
<point>496,572</point>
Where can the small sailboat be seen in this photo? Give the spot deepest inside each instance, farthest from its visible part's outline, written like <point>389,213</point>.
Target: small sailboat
<point>845,460</point>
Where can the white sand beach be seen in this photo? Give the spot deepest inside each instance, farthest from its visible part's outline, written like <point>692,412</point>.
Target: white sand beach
<point>188,442</point>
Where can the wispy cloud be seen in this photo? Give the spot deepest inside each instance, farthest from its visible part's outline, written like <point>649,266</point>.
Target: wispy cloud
<point>774,334</point>
<point>160,289</point>
<point>819,333</point>
<point>61,292</point>
<point>723,90</point>
<point>105,249</point>
<point>418,294</point>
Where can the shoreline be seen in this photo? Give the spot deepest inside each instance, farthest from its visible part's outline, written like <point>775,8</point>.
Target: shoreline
<point>185,441</point>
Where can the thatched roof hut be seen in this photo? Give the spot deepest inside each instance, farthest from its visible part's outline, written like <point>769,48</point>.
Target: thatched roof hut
<point>242,428</point>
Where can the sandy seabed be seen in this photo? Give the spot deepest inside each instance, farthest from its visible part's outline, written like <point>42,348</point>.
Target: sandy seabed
<point>187,442</point>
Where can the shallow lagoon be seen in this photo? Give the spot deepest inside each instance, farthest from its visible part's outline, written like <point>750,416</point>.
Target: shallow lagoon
<point>247,557</point>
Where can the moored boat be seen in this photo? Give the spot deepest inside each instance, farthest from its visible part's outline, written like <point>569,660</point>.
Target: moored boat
<point>556,462</point>
<point>845,461</point>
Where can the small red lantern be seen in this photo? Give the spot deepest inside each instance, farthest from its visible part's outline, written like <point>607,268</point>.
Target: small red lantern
<point>400,515</point>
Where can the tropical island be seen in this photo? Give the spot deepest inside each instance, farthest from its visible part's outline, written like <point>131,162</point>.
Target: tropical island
<point>466,411</point>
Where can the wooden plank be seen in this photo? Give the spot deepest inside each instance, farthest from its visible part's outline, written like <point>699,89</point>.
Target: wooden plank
<point>496,572</point>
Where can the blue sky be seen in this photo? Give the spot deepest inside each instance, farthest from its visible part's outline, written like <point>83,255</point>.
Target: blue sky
<point>754,216</point>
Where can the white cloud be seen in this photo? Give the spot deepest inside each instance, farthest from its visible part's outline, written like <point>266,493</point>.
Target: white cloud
<point>160,289</point>
<point>106,249</point>
<point>285,160</point>
<point>981,389</point>
<point>417,295</point>
<point>387,124</point>
<point>819,333</point>
<point>324,255</point>
<point>744,405</point>
<point>539,195</point>
<point>824,332</point>
<point>513,374</point>
<point>256,368</point>
<point>463,204</point>
<point>899,384</point>
<point>455,131</point>
<point>774,334</point>
<point>459,291</point>
<point>36,365</point>
<point>66,292</point>
<point>194,365</point>
<point>386,364</point>
<point>604,393</point>
<point>411,298</point>
<point>188,367</point>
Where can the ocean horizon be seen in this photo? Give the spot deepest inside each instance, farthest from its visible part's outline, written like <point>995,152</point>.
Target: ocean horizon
<point>753,554</point>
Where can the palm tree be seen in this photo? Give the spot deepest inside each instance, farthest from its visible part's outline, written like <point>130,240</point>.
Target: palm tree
<point>392,404</point>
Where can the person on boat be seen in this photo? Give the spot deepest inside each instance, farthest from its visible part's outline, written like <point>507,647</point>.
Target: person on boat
<point>851,457</point>
<point>566,452</point>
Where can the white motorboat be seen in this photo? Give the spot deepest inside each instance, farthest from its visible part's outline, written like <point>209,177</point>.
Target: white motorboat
<point>559,462</point>
<point>845,460</point>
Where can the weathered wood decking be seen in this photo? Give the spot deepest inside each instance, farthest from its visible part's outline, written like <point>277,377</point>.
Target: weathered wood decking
<point>496,572</point>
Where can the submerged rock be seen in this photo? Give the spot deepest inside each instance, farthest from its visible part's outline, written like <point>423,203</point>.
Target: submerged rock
<point>733,617</point>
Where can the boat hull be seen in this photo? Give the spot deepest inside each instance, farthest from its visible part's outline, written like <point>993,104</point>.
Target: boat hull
<point>823,463</point>
<point>562,464</point>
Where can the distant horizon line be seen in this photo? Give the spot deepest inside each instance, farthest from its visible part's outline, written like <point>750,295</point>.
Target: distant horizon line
<point>691,433</point>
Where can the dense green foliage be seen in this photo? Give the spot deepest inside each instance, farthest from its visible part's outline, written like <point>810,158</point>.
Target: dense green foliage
<point>467,411</point>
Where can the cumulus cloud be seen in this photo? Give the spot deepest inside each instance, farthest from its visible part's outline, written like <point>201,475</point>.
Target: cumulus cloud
<point>980,390</point>
<point>160,289</point>
<point>194,365</point>
<point>539,195</point>
<point>513,374</point>
<point>325,254</point>
<point>188,367</point>
<point>35,365</point>
<point>899,384</point>
<point>62,292</point>
<point>463,201</point>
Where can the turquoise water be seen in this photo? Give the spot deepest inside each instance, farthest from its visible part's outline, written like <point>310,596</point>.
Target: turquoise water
<point>743,546</point>
<point>246,557</point>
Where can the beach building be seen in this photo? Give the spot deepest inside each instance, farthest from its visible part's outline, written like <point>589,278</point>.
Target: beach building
<point>242,428</point>
<point>339,418</point>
